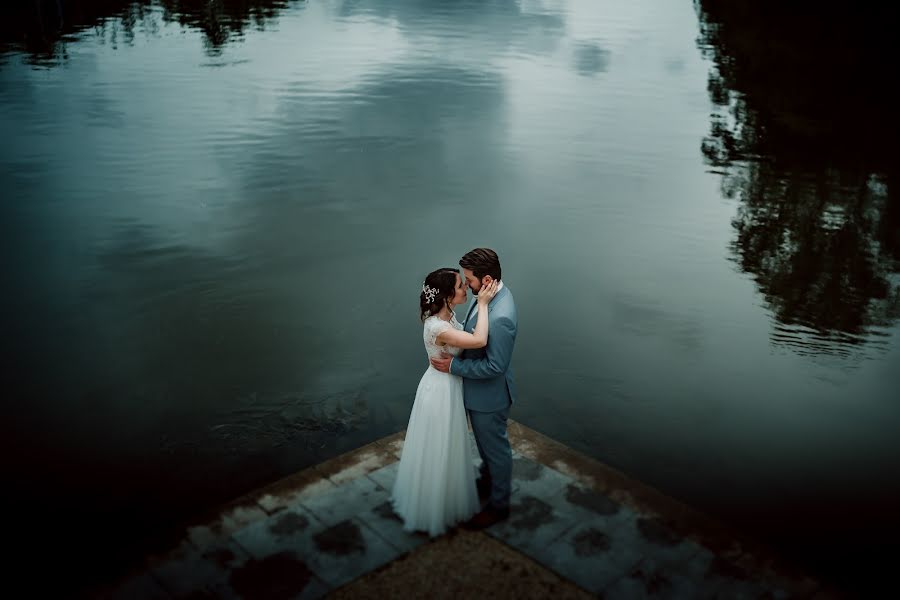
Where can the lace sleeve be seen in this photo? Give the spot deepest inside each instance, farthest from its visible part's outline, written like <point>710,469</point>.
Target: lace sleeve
<point>434,326</point>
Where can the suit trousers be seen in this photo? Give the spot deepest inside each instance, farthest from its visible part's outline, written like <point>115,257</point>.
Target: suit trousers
<point>493,446</point>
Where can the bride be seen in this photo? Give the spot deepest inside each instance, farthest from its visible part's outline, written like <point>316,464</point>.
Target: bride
<point>435,486</point>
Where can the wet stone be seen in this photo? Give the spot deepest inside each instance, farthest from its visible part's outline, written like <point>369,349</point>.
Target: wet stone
<point>653,538</point>
<point>597,503</point>
<point>226,556</point>
<point>532,524</point>
<point>292,490</point>
<point>278,532</point>
<point>341,539</point>
<point>653,578</point>
<point>534,479</point>
<point>280,575</point>
<point>288,524</point>
<point>335,553</point>
<point>729,580</point>
<point>385,510</point>
<point>639,583</point>
<point>346,501</point>
<point>385,476</point>
<point>591,542</point>
<point>656,532</point>
<point>653,582</point>
<point>386,523</point>
<point>525,469</point>
<point>352,466</point>
<point>192,573</point>
<point>311,543</point>
<point>530,513</point>
<point>347,550</point>
<point>591,554</point>
<point>217,532</point>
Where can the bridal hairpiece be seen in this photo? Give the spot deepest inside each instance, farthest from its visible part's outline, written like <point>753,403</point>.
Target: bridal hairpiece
<point>429,292</point>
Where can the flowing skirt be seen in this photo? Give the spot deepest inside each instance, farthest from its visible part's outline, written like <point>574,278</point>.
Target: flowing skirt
<point>435,486</point>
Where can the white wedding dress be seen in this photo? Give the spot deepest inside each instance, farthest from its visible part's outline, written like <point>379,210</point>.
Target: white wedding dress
<point>435,486</point>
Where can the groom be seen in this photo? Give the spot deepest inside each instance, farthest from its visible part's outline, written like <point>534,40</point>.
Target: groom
<point>488,385</point>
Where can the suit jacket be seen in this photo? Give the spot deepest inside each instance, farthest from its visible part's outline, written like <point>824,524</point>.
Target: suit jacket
<point>487,377</point>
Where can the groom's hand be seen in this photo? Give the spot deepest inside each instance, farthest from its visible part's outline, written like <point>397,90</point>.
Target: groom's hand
<point>442,363</point>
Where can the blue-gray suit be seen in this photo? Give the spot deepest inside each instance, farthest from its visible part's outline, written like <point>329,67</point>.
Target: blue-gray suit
<point>489,391</point>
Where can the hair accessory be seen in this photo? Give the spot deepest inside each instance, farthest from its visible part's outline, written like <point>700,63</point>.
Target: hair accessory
<point>429,292</point>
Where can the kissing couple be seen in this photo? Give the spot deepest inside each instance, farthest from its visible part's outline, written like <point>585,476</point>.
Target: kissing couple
<point>469,375</point>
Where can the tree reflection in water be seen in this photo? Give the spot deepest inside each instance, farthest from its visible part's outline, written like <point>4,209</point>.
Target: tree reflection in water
<point>803,136</point>
<point>42,28</point>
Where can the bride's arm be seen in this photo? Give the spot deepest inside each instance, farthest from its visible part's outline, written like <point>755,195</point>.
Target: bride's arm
<point>478,338</point>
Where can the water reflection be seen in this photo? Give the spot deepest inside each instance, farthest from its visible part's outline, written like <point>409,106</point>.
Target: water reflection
<point>591,59</point>
<point>226,349</point>
<point>44,28</point>
<point>803,137</point>
<point>491,26</point>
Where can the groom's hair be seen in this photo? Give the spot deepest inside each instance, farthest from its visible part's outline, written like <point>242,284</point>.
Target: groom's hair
<point>481,261</point>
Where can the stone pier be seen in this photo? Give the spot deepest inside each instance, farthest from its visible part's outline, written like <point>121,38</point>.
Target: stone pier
<point>577,529</point>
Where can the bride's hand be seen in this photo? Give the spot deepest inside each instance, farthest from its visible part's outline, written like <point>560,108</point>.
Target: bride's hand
<point>487,292</point>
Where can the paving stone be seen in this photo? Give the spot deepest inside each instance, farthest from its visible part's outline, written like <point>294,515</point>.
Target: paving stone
<point>294,489</point>
<point>313,537</point>
<point>590,554</point>
<point>727,579</point>
<point>355,497</point>
<point>278,566</point>
<point>389,526</point>
<point>227,522</point>
<point>289,529</point>
<point>352,465</point>
<point>532,524</point>
<point>385,476</point>
<point>534,479</point>
<point>140,587</point>
<point>196,572</point>
<point>584,504</point>
<point>335,553</point>
<point>652,537</point>
<point>654,578</point>
<point>395,445</point>
<point>349,549</point>
<point>280,575</point>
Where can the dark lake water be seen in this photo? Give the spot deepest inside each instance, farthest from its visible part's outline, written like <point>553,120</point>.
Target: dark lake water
<point>216,218</point>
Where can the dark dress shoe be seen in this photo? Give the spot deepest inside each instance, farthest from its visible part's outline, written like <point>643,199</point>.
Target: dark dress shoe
<point>486,518</point>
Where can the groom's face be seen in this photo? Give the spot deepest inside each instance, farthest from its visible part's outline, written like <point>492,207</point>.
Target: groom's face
<point>473,282</point>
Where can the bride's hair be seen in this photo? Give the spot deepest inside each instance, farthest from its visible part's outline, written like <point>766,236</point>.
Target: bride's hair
<point>439,286</point>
